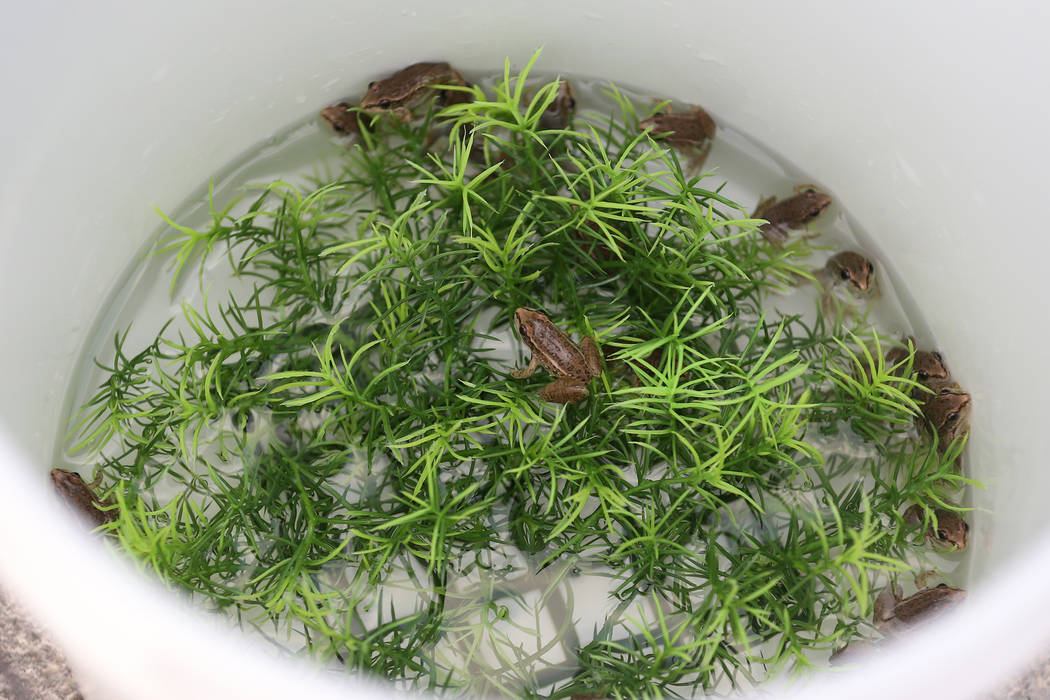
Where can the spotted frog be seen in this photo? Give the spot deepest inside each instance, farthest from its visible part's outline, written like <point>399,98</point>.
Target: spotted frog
<point>572,365</point>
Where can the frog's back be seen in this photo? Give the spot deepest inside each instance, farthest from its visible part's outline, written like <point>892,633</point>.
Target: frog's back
<point>560,355</point>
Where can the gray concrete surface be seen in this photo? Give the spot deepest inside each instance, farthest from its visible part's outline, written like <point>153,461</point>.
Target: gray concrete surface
<point>33,668</point>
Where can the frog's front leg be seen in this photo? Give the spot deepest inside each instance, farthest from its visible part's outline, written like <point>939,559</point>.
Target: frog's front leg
<point>564,390</point>
<point>527,372</point>
<point>402,114</point>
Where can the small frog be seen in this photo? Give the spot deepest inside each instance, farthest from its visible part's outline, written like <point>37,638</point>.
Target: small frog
<point>951,530</point>
<point>946,412</point>
<point>558,114</point>
<point>408,87</point>
<point>852,268</point>
<point>342,118</point>
<point>894,614</point>
<point>925,365</point>
<point>847,267</point>
<point>688,131</point>
<point>571,365</point>
<point>793,212</point>
<point>80,498</point>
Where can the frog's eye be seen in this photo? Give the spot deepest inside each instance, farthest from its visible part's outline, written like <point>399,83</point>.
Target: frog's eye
<point>923,374</point>
<point>951,417</point>
<point>942,585</point>
<point>871,269</point>
<point>844,274</point>
<point>942,535</point>
<point>572,103</point>
<point>371,84</point>
<point>384,104</point>
<point>521,330</point>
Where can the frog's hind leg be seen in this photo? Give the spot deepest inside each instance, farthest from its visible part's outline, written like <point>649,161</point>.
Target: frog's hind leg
<point>593,355</point>
<point>698,155</point>
<point>885,603</point>
<point>776,234</point>
<point>564,390</point>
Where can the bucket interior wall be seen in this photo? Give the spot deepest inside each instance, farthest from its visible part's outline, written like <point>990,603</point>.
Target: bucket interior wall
<point>123,109</point>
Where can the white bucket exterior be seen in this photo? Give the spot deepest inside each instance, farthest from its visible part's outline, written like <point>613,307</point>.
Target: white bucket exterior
<point>928,120</point>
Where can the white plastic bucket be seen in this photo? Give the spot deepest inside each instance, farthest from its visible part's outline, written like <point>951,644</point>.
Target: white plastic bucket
<point>928,120</point>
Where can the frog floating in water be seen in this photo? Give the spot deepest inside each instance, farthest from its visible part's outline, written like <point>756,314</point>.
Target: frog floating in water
<point>397,95</point>
<point>572,365</point>
<point>927,366</point>
<point>848,268</point>
<point>410,86</point>
<point>81,499</point>
<point>946,412</point>
<point>791,213</point>
<point>894,614</point>
<point>691,132</point>
<point>951,531</point>
<point>342,118</point>
<point>559,113</point>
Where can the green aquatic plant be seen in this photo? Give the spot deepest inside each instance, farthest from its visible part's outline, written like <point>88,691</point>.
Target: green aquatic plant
<point>335,454</point>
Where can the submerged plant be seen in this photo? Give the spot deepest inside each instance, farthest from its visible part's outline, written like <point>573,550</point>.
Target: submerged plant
<point>335,453</point>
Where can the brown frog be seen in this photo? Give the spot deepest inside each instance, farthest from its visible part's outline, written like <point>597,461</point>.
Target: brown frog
<point>791,213</point>
<point>691,131</point>
<point>925,365</point>
<point>951,531</point>
<point>572,365</point>
<point>894,614</point>
<point>409,86</point>
<point>849,268</point>
<point>81,499</point>
<point>559,113</point>
<point>342,118</point>
<point>946,412</point>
